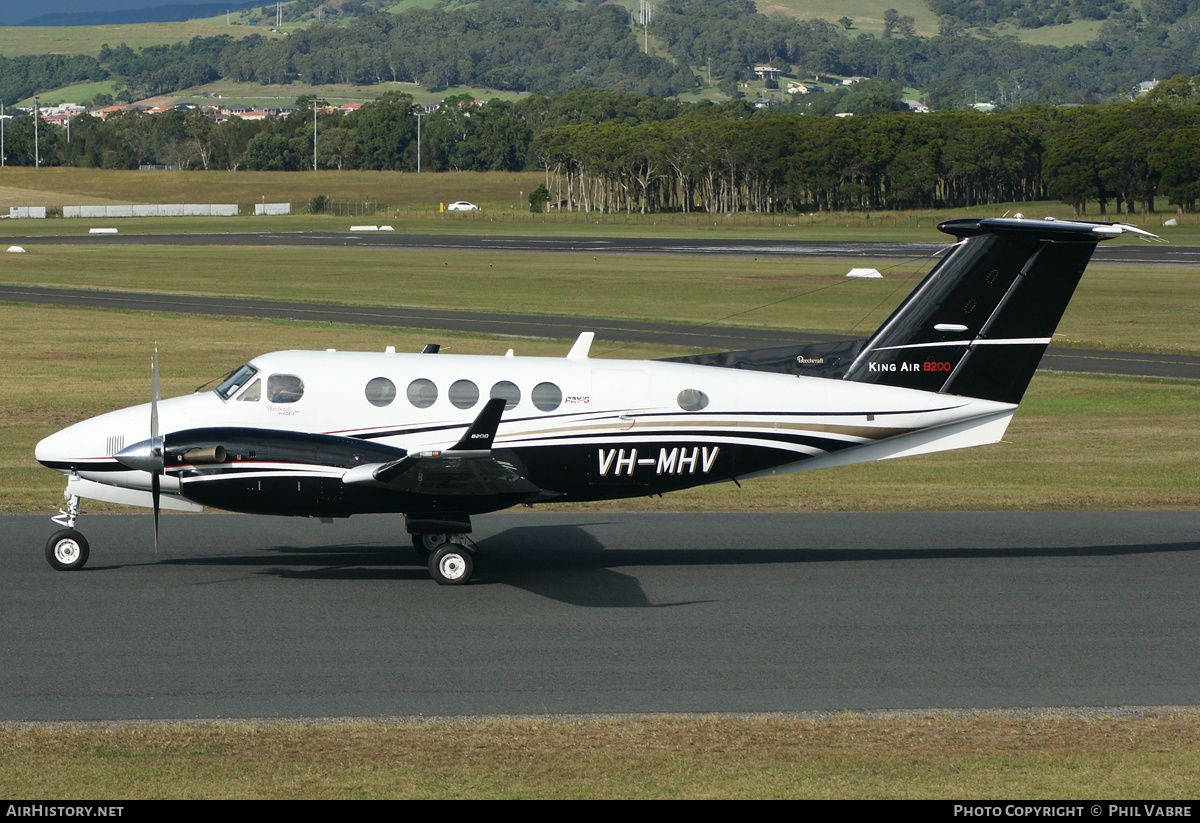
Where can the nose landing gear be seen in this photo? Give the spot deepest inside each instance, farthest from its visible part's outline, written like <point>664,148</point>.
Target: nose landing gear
<point>67,550</point>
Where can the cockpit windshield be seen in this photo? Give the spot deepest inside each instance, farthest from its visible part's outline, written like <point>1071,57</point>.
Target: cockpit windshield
<point>235,381</point>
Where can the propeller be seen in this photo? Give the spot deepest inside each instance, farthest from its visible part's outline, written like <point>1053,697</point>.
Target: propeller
<point>149,455</point>
<point>157,447</point>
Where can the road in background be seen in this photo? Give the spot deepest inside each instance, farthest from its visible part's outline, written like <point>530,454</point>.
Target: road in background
<point>1146,253</point>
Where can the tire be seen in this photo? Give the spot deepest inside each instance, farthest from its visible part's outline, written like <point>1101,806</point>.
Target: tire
<point>67,550</point>
<point>451,565</point>
<point>426,544</point>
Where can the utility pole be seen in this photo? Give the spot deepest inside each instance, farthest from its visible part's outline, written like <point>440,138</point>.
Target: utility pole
<point>419,116</point>
<point>37,115</point>
<point>1,135</point>
<point>645,12</point>
<point>314,133</point>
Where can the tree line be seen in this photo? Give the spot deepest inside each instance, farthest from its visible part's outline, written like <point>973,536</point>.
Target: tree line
<point>604,151</point>
<point>1120,156</point>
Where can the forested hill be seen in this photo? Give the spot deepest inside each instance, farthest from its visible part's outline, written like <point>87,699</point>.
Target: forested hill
<point>727,36</point>
<point>549,48</point>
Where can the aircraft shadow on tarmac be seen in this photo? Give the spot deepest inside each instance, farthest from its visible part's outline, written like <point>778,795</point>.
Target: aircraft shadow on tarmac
<point>568,563</point>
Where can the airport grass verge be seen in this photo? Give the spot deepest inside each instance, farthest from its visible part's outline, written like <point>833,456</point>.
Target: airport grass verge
<point>412,202</point>
<point>917,756</point>
<point>1116,308</point>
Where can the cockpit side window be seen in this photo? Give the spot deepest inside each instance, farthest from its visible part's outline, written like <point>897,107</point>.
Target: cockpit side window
<point>284,388</point>
<point>235,381</point>
<point>251,394</point>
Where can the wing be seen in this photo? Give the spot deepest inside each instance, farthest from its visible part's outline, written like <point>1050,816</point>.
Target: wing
<point>468,475</point>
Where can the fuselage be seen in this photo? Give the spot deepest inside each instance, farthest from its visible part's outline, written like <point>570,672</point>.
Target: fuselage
<point>578,428</point>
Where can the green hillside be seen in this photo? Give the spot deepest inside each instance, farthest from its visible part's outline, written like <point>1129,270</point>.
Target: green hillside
<point>19,40</point>
<point>867,15</point>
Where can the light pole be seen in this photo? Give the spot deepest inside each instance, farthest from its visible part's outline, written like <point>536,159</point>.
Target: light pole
<point>37,115</point>
<point>419,116</point>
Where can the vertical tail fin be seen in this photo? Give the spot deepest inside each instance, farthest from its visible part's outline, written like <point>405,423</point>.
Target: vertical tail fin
<point>977,325</point>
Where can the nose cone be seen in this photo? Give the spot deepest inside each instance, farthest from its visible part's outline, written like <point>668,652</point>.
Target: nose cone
<point>145,456</point>
<point>55,451</point>
<point>90,444</point>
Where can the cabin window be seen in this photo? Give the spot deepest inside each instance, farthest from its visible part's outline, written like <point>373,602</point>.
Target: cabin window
<point>381,392</point>
<point>546,397</point>
<point>284,388</point>
<point>422,393</point>
<point>252,394</point>
<point>463,394</point>
<point>235,380</point>
<point>692,400</point>
<point>509,391</point>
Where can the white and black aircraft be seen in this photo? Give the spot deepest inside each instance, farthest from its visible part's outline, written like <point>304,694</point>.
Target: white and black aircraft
<point>440,438</point>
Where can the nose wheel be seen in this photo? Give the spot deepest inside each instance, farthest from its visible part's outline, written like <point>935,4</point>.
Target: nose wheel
<point>67,550</point>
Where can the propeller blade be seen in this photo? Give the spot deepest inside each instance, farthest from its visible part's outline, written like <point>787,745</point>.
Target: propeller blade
<point>155,394</point>
<point>157,447</point>
<point>154,494</point>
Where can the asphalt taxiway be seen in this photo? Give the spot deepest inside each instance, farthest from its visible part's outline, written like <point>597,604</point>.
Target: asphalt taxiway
<point>1142,253</point>
<point>578,613</point>
<point>244,616</point>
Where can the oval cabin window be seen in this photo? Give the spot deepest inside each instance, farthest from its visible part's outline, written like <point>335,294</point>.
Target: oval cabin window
<point>422,393</point>
<point>509,391</point>
<point>381,392</point>
<point>692,400</point>
<point>546,397</point>
<point>463,394</point>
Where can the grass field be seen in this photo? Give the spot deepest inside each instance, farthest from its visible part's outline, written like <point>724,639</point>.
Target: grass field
<point>867,16</point>
<point>402,193</point>
<point>229,92</point>
<point>411,202</point>
<point>908,757</point>
<point>19,40</point>
<point>1116,307</point>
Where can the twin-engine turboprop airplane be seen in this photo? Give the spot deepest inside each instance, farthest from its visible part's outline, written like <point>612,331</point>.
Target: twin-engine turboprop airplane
<point>440,438</point>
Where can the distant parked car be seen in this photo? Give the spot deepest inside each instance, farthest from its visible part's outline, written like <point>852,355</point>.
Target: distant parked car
<point>462,205</point>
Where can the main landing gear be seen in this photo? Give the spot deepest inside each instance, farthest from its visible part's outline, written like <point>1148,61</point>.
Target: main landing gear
<point>451,557</point>
<point>67,550</point>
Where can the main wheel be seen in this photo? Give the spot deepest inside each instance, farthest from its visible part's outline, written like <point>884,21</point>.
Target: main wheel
<point>451,565</point>
<point>67,550</point>
<point>425,544</point>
